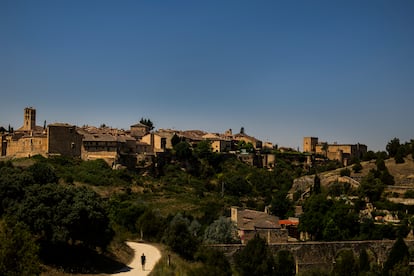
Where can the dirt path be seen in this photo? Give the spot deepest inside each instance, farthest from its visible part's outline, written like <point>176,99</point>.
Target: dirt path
<point>152,256</point>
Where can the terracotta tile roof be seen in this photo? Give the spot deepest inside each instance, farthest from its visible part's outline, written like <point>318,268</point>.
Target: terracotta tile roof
<point>288,222</point>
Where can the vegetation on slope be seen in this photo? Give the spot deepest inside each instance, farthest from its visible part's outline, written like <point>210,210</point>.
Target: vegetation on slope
<point>186,193</point>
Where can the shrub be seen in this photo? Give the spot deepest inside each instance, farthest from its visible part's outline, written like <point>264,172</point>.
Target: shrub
<point>345,172</point>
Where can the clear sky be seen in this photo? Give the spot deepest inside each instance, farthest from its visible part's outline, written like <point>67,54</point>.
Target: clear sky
<point>340,70</point>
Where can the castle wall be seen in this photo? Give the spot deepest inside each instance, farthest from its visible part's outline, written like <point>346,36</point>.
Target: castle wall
<point>309,144</point>
<point>26,146</point>
<point>342,152</point>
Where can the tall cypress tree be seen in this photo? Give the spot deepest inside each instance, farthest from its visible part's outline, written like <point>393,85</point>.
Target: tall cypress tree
<point>399,254</point>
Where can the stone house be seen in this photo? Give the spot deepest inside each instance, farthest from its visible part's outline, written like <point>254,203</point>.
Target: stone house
<point>157,142</point>
<point>257,144</point>
<point>251,222</point>
<point>218,143</point>
<point>139,130</point>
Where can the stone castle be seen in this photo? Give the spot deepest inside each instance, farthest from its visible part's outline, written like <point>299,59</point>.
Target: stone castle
<point>115,146</point>
<point>343,153</point>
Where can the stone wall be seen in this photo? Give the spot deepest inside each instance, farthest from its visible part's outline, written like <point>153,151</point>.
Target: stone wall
<point>26,146</point>
<point>321,255</point>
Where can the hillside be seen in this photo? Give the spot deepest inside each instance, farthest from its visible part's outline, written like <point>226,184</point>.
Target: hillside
<point>403,175</point>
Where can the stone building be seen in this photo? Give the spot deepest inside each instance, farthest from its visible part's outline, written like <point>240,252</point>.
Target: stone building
<point>139,130</point>
<point>158,142</point>
<point>309,144</point>
<point>257,144</point>
<point>64,139</point>
<point>28,140</point>
<point>344,153</point>
<point>250,222</point>
<point>218,143</point>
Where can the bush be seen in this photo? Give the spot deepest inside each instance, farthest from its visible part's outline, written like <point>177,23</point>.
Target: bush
<point>255,258</point>
<point>357,167</point>
<point>215,263</point>
<point>179,238</point>
<point>18,251</point>
<point>220,231</point>
<point>345,172</point>
<point>409,194</point>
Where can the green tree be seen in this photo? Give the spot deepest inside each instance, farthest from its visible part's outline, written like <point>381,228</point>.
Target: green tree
<point>148,123</point>
<point>371,186</point>
<point>364,263</point>
<point>316,185</point>
<point>399,254</point>
<point>151,224</point>
<point>126,213</point>
<point>393,146</point>
<point>281,206</point>
<point>255,258</point>
<point>12,184</point>
<point>381,164</point>
<point>284,263</point>
<point>215,263</point>
<point>345,264</point>
<point>345,172</point>
<point>183,151</point>
<point>357,167</point>
<point>313,218</point>
<point>18,251</point>
<point>399,156</point>
<point>221,231</point>
<point>236,185</point>
<point>331,232</point>
<point>179,238</point>
<point>369,155</point>
<point>58,214</point>
<point>325,148</point>
<point>400,269</point>
<point>203,149</point>
<point>175,140</point>
<point>43,173</point>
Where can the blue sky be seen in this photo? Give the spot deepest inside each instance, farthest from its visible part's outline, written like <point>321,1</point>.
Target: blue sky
<point>339,70</point>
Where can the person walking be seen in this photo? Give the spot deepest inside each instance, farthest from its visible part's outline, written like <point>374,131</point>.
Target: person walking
<point>143,260</point>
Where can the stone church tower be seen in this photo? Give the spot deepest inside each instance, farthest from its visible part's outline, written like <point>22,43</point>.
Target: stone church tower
<point>29,123</point>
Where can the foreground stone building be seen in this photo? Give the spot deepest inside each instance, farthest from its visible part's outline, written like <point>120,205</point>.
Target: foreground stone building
<point>251,222</point>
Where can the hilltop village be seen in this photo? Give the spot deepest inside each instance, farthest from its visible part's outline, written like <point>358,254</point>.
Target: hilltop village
<point>140,143</point>
<point>282,196</point>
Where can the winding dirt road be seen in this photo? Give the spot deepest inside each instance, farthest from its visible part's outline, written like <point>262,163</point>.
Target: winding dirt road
<point>152,255</point>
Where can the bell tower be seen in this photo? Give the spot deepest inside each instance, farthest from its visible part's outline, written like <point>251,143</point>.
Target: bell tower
<point>29,118</point>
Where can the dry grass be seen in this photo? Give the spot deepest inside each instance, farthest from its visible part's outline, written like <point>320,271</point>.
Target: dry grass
<point>177,265</point>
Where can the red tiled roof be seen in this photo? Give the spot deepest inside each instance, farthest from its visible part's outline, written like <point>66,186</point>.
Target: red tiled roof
<point>288,222</point>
